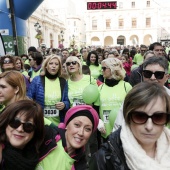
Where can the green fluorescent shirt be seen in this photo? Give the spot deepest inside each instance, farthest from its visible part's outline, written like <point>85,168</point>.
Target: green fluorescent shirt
<point>57,159</point>
<point>52,96</point>
<point>110,101</point>
<point>75,89</point>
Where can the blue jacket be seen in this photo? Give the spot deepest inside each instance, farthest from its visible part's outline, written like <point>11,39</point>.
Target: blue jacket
<point>36,92</point>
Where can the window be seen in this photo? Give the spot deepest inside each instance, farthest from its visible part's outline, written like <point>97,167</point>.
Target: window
<point>148,22</point>
<point>134,23</point>
<point>120,5</point>
<point>94,24</point>
<point>121,23</point>
<point>108,23</point>
<point>74,23</point>
<point>133,4</point>
<point>147,3</point>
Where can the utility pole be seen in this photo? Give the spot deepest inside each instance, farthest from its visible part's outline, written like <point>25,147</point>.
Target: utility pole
<point>12,16</point>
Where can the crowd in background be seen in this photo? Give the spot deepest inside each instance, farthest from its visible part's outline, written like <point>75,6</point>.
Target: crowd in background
<point>57,79</point>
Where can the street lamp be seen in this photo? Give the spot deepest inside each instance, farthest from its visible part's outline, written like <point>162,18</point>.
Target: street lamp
<point>62,35</point>
<point>37,27</point>
<point>73,39</point>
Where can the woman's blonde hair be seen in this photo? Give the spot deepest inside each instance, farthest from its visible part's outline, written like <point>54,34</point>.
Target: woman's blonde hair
<point>116,68</point>
<point>46,62</point>
<point>74,58</point>
<point>15,79</point>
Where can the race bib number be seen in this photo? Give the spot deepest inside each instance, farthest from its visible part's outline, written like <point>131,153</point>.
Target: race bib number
<point>78,102</point>
<point>50,111</point>
<point>106,116</point>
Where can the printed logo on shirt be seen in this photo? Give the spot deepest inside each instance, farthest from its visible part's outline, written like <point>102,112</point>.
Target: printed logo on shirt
<point>77,101</point>
<point>106,115</point>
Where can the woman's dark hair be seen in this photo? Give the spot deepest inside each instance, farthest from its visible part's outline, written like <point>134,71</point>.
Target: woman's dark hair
<point>29,109</point>
<point>85,70</point>
<point>24,55</point>
<point>88,58</point>
<point>37,56</point>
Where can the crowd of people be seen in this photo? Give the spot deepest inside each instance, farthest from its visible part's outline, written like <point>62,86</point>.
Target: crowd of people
<point>48,120</point>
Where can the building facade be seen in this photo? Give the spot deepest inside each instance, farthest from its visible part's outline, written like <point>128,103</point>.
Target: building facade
<point>132,23</point>
<point>49,31</point>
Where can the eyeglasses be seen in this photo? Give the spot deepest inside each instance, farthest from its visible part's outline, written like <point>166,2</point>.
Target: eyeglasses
<point>141,117</point>
<point>157,74</point>
<point>73,63</point>
<point>78,56</point>
<point>157,50</point>
<point>143,51</point>
<point>27,126</point>
<point>104,68</point>
<point>7,61</point>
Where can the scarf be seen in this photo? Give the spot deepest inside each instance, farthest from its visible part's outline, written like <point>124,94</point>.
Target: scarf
<point>136,157</point>
<point>13,158</point>
<point>111,82</point>
<point>36,69</point>
<point>50,76</point>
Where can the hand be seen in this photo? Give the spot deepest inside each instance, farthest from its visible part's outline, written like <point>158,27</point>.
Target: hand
<point>60,105</point>
<point>101,127</point>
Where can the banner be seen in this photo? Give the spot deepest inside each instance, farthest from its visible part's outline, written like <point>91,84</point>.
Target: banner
<point>2,47</point>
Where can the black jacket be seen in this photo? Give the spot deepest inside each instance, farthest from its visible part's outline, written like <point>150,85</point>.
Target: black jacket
<point>136,76</point>
<point>110,156</point>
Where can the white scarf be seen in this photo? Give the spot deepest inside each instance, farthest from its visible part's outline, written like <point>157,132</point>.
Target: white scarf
<point>136,157</point>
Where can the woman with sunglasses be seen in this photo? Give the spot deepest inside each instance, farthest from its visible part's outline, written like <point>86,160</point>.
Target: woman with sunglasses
<point>7,63</point>
<point>143,141</point>
<point>77,81</point>
<point>50,90</point>
<point>21,135</point>
<point>92,62</point>
<point>111,94</point>
<point>155,69</point>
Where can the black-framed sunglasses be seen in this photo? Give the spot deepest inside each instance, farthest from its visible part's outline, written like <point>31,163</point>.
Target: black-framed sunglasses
<point>27,126</point>
<point>7,61</point>
<point>104,68</point>
<point>73,63</point>
<point>142,117</point>
<point>157,74</point>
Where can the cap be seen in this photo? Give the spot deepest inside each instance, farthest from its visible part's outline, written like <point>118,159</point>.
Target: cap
<point>76,109</point>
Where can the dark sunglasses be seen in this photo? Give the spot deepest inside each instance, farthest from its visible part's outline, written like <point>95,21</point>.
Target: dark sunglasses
<point>141,117</point>
<point>27,126</point>
<point>157,74</point>
<point>73,63</point>
<point>104,68</point>
<point>7,61</point>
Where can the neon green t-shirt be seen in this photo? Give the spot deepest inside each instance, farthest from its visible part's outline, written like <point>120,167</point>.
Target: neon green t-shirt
<point>95,70</point>
<point>35,73</point>
<point>27,62</point>
<point>169,71</point>
<point>56,159</point>
<point>109,101</point>
<point>52,96</point>
<point>138,59</point>
<point>75,89</point>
